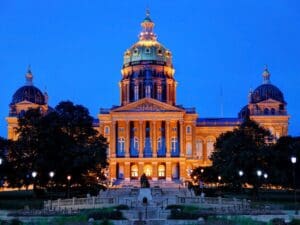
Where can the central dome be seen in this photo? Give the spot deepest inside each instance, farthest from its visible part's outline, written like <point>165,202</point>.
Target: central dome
<point>147,48</point>
<point>147,70</point>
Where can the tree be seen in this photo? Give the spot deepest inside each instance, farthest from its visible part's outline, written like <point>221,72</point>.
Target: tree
<point>63,141</point>
<point>144,181</point>
<point>280,161</point>
<point>245,148</point>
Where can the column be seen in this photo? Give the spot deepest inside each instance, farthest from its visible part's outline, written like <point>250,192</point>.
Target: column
<point>154,171</point>
<point>127,139</point>
<point>113,140</point>
<point>168,171</point>
<point>127,171</point>
<point>182,171</point>
<point>194,140</point>
<point>154,140</point>
<point>182,153</point>
<point>128,91</point>
<point>168,153</point>
<point>204,160</point>
<point>141,146</point>
<point>112,170</point>
<point>120,86</point>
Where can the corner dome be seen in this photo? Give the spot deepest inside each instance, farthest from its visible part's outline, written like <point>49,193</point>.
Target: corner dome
<point>29,92</point>
<point>266,90</point>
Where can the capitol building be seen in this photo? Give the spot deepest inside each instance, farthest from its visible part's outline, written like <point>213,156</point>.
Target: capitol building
<point>148,132</point>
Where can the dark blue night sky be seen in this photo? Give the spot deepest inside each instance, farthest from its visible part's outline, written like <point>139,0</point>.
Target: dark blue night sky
<point>219,48</point>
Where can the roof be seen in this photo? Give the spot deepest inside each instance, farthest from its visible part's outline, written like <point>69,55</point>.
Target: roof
<point>204,122</point>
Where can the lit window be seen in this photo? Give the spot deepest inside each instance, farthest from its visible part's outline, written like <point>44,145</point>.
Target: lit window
<point>199,149</point>
<point>121,145</point>
<point>106,130</point>
<point>188,149</point>
<point>134,171</point>
<point>136,92</point>
<point>210,147</point>
<point>136,143</point>
<point>188,129</point>
<point>173,144</point>
<point>148,91</point>
<point>161,170</point>
<point>159,144</point>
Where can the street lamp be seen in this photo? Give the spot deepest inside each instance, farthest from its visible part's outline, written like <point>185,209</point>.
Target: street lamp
<point>294,160</point>
<point>34,174</point>
<point>69,179</point>
<point>241,173</point>
<point>1,160</point>
<point>259,173</point>
<point>51,175</point>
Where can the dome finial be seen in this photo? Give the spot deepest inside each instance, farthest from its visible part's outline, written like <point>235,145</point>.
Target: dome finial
<point>29,76</point>
<point>147,12</point>
<point>147,33</point>
<point>266,75</point>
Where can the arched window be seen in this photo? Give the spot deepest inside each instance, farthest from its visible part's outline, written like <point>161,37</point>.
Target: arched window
<point>161,171</point>
<point>159,91</point>
<point>148,91</point>
<point>188,149</point>
<point>199,149</point>
<point>210,146</point>
<point>136,144</point>
<point>106,130</point>
<point>121,145</point>
<point>272,111</point>
<point>148,170</point>
<point>266,111</point>
<point>134,171</point>
<point>188,129</point>
<point>173,144</point>
<point>136,92</point>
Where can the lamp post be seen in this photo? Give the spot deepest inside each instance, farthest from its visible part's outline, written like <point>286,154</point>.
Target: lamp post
<point>258,173</point>
<point>201,183</point>
<point>69,179</point>
<point>241,174</point>
<point>51,175</point>
<point>34,174</point>
<point>294,161</point>
<point>1,161</point>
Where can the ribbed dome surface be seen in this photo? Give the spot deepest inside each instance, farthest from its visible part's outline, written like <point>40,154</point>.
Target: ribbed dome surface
<point>28,93</point>
<point>266,91</point>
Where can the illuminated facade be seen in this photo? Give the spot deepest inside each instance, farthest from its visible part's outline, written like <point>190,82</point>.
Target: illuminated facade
<point>148,132</point>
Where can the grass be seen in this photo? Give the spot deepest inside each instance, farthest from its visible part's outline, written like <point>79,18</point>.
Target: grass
<point>19,199</point>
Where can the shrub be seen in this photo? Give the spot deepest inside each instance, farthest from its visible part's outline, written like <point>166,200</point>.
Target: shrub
<point>295,222</point>
<point>277,221</point>
<point>103,214</point>
<point>15,222</point>
<point>122,207</point>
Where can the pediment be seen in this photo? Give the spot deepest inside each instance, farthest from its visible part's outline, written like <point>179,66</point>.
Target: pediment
<point>25,102</point>
<point>148,105</point>
<point>270,101</point>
